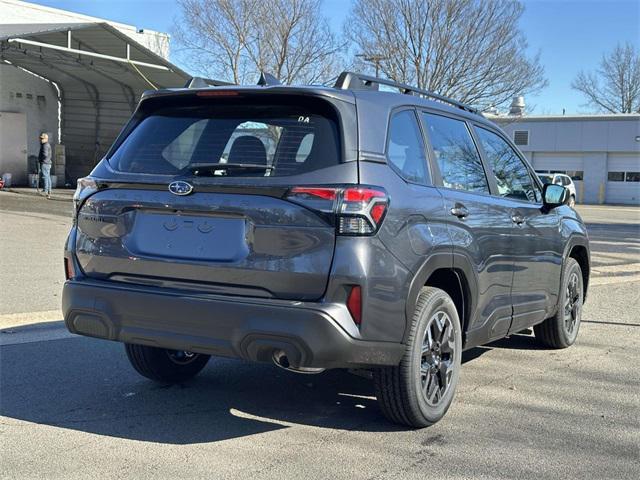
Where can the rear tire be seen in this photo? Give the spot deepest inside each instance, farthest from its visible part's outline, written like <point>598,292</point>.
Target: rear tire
<point>419,391</point>
<point>561,330</point>
<point>572,201</point>
<point>163,365</point>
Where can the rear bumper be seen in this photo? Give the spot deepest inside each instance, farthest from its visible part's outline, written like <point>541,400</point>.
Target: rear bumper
<point>311,334</point>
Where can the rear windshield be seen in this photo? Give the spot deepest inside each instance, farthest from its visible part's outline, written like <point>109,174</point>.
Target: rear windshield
<point>226,138</point>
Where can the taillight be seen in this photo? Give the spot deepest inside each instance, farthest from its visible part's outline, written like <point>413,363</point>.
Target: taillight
<point>86,186</point>
<point>358,210</point>
<point>354,304</point>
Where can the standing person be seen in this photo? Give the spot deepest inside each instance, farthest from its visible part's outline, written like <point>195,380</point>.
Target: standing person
<point>44,160</point>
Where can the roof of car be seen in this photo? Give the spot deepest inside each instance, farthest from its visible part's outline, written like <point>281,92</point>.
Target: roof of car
<point>387,99</point>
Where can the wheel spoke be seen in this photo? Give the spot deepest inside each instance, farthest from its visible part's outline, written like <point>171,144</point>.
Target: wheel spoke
<point>438,326</point>
<point>445,371</point>
<point>448,342</point>
<point>432,389</point>
<point>426,381</point>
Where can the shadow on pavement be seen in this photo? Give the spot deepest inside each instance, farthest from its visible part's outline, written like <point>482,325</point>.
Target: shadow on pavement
<point>88,385</point>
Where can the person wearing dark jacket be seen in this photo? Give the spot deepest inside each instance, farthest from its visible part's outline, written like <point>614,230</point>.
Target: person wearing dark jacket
<point>44,160</point>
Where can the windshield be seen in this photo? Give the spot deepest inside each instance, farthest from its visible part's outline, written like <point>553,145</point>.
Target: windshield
<point>546,178</point>
<point>231,140</point>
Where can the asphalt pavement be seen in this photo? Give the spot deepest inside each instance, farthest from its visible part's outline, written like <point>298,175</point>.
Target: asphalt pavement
<point>72,407</point>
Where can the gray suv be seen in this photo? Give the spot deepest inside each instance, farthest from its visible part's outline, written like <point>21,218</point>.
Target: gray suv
<point>321,227</point>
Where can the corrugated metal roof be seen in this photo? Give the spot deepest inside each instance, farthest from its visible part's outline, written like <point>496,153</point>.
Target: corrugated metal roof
<point>26,29</point>
<point>98,94</point>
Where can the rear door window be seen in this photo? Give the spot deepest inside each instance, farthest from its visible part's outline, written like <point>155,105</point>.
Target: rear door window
<point>456,154</point>
<point>231,140</point>
<point>405,150</point>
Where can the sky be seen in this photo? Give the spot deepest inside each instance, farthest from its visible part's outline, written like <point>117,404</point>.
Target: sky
<point>569,35</point>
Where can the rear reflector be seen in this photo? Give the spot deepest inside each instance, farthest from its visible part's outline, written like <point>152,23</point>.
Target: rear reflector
<point>354,304</point>
<point>69,273</point>
<point>358,210</point>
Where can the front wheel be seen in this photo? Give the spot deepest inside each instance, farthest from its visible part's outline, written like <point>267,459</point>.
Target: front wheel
<point>164,365</point>
<point>561,330</point>
<point>419,391</point>
<point>572,201</point>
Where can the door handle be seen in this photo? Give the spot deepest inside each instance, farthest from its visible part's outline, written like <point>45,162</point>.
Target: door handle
<point>460,211</point>
<point>517,219</point>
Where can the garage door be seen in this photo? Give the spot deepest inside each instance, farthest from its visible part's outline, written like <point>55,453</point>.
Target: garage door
<point>557,162</point>
<point>623,179</point>
<point>571,164</point>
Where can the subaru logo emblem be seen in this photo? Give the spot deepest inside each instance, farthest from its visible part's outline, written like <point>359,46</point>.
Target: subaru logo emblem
<point>180,188</point>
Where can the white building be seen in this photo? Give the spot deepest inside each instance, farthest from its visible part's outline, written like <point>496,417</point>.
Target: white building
<point>75,77</point>
<point>600,152</point>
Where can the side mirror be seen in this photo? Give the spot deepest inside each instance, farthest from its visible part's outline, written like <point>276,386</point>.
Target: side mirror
<point>554,195</point>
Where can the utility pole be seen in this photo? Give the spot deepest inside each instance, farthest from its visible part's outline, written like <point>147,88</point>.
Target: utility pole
<point>374,58</point>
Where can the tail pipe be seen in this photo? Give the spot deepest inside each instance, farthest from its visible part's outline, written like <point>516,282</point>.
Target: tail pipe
<point>281,360</point>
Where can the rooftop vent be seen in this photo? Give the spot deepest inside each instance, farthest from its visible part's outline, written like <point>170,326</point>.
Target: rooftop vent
<point>517,106</point>
<point>521,137</point>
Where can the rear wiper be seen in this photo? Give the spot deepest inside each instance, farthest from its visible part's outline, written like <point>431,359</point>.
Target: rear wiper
<point>227,166</point>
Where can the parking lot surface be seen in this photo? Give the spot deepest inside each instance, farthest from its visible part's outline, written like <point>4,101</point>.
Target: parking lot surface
<point>72,407</point>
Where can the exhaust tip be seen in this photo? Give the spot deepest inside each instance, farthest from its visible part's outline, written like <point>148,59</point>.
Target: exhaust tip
<point>280,359</point>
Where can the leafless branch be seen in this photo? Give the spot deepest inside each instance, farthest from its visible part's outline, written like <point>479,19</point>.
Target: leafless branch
<point>471,50</point>
<point>615,86</point>
<point>236,39</point>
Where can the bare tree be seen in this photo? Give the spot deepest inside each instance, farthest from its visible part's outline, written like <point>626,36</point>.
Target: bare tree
<point>615,86</point>
<point>471,50</point>
<point>236,39</point>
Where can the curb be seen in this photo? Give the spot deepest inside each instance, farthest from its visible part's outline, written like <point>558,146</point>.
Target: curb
<point>33,193</point>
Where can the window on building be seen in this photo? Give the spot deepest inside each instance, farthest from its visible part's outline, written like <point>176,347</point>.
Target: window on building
<point>456,154</point>
<point>576,174</point>
<point>633,177</point>
<point>512,175</point>
<point>521,137</point>
<point>405,151</point>
<point>615,176</point>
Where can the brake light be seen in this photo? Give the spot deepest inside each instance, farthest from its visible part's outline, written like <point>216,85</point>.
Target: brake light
<point>358,210</point>
<point>218,93</point>
<point>323,193</point>
<point>362,210</point>
<point>354,304</point>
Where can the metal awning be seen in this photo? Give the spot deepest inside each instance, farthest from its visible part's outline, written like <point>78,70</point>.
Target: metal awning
<point>100,74</point>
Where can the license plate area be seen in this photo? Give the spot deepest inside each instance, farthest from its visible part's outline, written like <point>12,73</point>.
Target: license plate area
<point>188,236</point>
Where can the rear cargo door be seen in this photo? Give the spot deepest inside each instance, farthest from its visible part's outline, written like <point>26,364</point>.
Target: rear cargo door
<point>250,245</point>
<point>219,222</point>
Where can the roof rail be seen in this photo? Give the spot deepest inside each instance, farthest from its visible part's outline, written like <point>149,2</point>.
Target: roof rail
<point>358,81</point>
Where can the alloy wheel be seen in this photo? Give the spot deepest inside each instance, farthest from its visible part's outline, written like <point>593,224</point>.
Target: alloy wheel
<point>437,359</point>
<point>181,357</point>
<point>572,303</point>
